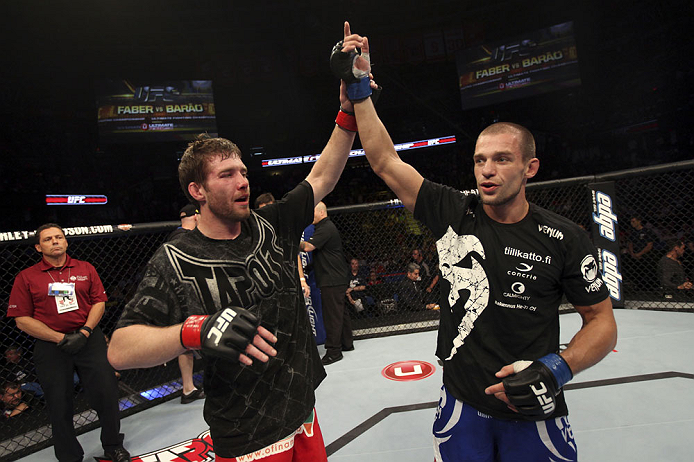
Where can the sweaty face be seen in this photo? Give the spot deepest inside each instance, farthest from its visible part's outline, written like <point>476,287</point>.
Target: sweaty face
<point>499,168</point>
<point>226,189</point>
<point>52,243</point>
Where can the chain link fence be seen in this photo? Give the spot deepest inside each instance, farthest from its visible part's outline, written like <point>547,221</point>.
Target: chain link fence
<point>382,238</point>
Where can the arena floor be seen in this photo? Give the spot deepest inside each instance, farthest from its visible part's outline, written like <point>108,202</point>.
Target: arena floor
<point>636,405</point>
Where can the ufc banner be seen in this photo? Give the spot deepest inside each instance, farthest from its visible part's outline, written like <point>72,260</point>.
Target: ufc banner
<point>606,238</point>
<point>313,302</point>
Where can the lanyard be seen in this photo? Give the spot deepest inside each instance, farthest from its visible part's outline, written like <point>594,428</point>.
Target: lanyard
<point>68,274</point>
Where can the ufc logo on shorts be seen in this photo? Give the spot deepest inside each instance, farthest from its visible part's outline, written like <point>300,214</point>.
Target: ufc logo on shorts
<point>546,401</point>
<point>221,325</point>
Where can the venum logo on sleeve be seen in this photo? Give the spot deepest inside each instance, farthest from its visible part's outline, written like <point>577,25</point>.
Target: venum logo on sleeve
<point>589,270</point>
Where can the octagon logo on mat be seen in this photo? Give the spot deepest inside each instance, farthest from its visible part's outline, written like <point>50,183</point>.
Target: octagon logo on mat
<point>198,449</point>
<point>406,371</point>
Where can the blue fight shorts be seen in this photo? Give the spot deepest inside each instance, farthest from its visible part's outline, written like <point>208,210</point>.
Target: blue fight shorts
<point>463,434</point>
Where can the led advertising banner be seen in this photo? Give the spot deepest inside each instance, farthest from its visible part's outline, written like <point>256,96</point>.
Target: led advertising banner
<point>534,63</point>
<point>141,111</point>
<point>360,152</point>
<point>76,199</point>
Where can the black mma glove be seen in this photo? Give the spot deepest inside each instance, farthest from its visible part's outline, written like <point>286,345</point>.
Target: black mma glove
<point>535,385</point>
<point>225,334</point>
<point>344,67</point>
<point>72,342</point>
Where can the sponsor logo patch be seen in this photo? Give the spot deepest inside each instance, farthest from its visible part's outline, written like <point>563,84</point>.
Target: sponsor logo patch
<point>551,232</point>
<point>589,270</point>
<point>529,256</point>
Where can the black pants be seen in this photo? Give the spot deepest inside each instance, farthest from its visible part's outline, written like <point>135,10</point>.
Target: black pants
<point>338,325</point>
<point>55,371</point>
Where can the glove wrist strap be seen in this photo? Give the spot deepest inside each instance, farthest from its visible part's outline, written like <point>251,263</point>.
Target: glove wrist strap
<point>346,120</point>
<point>359,90</point>
<point>190,332</point>
<point>559,367</point>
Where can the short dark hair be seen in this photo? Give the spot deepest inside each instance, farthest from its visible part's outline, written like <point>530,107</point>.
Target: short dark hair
<point>9,384</point>
<point>265,198</point>
<point>37,236</point>
<point>526,141</point>
<point>192,168</point>
<point>670,244</point>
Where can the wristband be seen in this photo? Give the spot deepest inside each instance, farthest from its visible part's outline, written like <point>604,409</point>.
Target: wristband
<point>302,279</point>
<point>88,329</point>
<point>346,120</point>
<point>359,90</point>
<point>190,332</point>
<point>559,367</point>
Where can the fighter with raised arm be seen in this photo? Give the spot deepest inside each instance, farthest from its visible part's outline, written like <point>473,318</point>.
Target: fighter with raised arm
<point>230,289</point>
<point>502,280</point>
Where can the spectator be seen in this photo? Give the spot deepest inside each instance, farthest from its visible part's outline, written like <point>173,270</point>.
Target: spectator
<point>357,285</point>
<point>20,370</point>
<point>688,259</point>
<point>373,278</point>
<point>264,199</point>
<point>409,291</point>
<point>332,277</point>
<point>418,258</point>
<point>641,257</point>
<point>376,293</point>
<point>189,220</point>
<point>428,274</point>
<point>12,399</point>
<point>673,279</point>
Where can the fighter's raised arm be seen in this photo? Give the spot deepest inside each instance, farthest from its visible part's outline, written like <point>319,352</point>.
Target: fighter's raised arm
<point>326,172</point>
<point>353,68</point>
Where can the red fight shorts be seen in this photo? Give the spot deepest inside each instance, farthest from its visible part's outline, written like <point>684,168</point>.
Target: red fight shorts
<point>305,444</point>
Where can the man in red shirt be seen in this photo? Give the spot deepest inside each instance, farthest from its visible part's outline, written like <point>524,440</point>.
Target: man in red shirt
<point>60,301</point>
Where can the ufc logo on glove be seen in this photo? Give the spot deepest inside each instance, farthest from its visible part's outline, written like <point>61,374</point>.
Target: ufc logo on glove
<point>545,400</point>
<point>221,324</point>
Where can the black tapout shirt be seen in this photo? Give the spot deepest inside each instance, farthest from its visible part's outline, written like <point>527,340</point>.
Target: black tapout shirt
<point>247,407</point>
<point>501,287</point>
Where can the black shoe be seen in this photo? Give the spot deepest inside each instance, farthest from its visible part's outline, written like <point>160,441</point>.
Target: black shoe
<point>348,349</point>
<point>327,359</point>
<point>118,455</point>
<point>192,396</point>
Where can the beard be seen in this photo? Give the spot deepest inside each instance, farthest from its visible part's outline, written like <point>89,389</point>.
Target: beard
<point>226,211</point>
